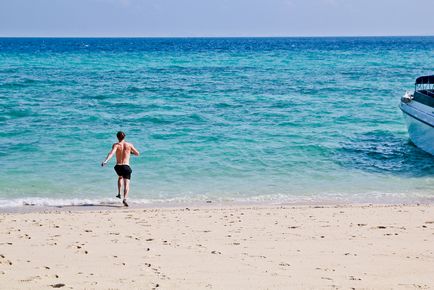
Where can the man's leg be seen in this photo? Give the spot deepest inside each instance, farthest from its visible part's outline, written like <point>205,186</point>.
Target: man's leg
<point>126,187</point>
<point>126,190</point>
<point>119,186</point>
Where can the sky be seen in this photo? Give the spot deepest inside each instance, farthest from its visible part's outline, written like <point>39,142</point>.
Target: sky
<point>215,18</point>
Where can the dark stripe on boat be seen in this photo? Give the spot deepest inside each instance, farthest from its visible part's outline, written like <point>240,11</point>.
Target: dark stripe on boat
<point>425,122</point>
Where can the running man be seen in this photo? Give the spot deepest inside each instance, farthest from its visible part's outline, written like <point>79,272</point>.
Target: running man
<point>123,152</point>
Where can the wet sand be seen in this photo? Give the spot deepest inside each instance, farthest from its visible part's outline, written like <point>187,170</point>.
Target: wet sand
<point>219,247</point>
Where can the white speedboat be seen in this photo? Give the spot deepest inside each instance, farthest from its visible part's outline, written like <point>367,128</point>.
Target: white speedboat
<point>418,109</point>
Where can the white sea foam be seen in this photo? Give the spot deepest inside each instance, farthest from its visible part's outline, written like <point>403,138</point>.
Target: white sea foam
<point>329,198</point>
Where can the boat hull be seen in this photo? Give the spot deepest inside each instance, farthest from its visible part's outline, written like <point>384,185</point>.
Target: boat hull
<point>420,124</point>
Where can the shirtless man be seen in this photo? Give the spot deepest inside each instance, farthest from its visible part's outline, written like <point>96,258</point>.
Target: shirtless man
<point>123,152</point>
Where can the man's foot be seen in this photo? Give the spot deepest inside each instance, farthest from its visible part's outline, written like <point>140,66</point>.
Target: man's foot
<point>125,202</point>
<point>118,196</point>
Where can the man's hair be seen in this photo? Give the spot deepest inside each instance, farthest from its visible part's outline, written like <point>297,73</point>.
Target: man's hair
<point>120,135</point>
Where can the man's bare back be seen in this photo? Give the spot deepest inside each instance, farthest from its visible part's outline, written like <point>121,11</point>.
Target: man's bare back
<point>123,152</point>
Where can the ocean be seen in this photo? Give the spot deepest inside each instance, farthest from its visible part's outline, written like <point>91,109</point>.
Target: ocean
<point>280,120</point>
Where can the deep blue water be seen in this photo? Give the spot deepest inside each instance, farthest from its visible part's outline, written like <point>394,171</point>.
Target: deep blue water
<point>280,119</point>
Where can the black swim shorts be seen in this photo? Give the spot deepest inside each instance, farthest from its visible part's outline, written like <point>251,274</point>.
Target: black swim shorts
<point>124,171</point>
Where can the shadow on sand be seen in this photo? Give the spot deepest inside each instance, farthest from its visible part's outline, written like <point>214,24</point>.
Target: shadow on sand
<point>91,205</point>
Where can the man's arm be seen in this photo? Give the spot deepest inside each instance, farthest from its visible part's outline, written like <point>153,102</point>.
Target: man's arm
<point>134,151</point>
<point>110,155</point>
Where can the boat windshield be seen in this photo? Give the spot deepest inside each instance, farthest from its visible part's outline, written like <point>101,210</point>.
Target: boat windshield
<point>425,83</point>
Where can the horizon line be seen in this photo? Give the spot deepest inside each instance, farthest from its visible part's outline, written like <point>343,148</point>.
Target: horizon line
<point>245,36</point>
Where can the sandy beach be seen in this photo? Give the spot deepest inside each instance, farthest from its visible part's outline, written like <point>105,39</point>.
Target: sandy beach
<point>219,247</point>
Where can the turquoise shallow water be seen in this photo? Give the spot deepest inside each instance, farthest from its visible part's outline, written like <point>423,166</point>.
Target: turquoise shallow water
<point>275,119</point>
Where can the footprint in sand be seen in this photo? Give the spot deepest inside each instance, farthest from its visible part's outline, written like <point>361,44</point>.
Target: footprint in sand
<point>30,279</point>
<point>4,261</point>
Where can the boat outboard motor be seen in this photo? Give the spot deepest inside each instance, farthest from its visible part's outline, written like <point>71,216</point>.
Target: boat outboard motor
<point>407,97</point>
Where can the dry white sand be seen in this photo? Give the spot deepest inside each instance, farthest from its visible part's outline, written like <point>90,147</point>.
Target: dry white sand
<point>381,247</point>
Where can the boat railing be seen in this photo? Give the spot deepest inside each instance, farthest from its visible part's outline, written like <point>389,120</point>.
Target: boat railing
<point>420,87</point>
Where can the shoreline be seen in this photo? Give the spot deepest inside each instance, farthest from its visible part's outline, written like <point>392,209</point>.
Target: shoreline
<point>117,204</point>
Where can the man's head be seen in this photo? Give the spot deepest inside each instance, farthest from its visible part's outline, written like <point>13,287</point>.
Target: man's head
<point>120,135</point>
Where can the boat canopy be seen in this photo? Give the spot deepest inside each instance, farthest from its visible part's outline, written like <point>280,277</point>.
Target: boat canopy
<point>425,80</point>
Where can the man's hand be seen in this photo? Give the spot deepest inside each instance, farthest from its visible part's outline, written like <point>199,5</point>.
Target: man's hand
<point>103,164</point>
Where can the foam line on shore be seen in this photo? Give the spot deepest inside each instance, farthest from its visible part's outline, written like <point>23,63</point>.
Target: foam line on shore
<point>269,199</point>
